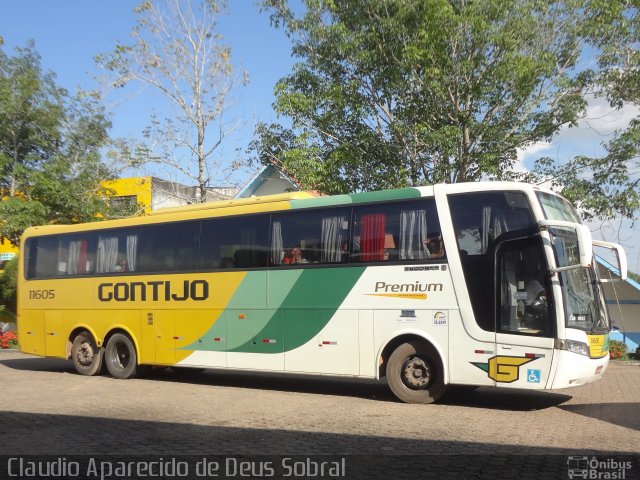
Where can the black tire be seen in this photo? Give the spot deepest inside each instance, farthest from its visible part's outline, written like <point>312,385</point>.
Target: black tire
<point>86,355</point>
<point>120,357</point>
<point>414,373</point>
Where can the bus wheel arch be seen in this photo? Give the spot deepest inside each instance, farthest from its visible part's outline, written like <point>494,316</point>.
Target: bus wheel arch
<point>414,369</point>
<point>86,355</point>
<point>121,355</point>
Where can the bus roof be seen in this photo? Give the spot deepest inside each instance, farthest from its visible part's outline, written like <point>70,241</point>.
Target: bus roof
<point>235,202</point>
<point>282,201</point>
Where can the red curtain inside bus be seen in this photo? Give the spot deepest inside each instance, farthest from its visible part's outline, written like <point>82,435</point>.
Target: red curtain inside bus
<point>372,237</point>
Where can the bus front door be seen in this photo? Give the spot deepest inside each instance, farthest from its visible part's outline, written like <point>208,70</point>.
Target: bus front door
<point>525,319</point>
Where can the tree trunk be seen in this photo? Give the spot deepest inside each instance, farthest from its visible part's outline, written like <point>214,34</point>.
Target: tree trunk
<point>13,186</point>
<point>463,164</point>
<point>202,178</point>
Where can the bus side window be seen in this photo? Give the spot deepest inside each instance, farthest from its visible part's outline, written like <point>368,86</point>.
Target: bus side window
<point>226,262</point>
<point>117,251</point>
<point>76,255</point>
<point>319,236</point>
<point>235,242</point>
<point>399,232</point>
<point>42,257</point>
<point>479,220</point>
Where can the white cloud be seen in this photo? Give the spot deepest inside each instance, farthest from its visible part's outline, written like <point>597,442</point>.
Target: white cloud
<point>604,120</point>
<point>531,152</point>
<point>598,126</point>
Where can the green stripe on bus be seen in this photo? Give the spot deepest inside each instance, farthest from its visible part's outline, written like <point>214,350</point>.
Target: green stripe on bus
<point>321,201</point>
<point>244,331</point>
<point>363,197</point>
<point>305,311</point>
<point>385,195</point>
<point>245,314</point>
<point>208,341</point>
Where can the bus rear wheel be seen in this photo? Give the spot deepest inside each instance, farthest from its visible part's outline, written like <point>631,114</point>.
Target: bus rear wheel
<point>86,355</point>
<point>414,373</point>
<point>120,357</point>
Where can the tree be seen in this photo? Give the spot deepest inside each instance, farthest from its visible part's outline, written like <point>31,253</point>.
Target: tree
<point>8,290</point>
<point>390,93</point>
<point>30,118</point>
<point>177,52</point>
<point>607,186</point>
<point>50,146</point>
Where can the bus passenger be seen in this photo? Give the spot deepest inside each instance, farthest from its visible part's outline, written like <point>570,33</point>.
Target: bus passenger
<point>293,256</point>
<point>435,246</point>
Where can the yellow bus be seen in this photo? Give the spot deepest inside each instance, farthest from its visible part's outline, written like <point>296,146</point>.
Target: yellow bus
<point>483,284</point>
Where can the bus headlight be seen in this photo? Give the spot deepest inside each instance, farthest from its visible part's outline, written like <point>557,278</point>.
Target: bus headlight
<point>573,346</point>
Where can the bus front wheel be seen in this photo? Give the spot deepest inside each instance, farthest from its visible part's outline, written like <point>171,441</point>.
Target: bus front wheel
<point>86,355</point>
<point>414,373</point>
<point>120,357</point>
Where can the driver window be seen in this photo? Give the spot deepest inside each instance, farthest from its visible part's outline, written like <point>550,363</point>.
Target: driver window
<point>524,302</point>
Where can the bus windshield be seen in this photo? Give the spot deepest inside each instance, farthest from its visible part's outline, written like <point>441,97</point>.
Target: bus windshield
<point>583,298</point>
<point>557,208</point>
<point>582,306</point>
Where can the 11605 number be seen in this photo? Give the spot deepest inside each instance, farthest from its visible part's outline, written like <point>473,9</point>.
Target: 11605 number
<point>42,294</point>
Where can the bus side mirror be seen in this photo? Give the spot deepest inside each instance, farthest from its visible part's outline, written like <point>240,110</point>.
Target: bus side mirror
<point>585,245</point>
<point>620,260</point>
<point>572,242</point>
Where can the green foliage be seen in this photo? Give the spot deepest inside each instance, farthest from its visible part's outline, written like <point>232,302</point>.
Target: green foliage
<point>618,350</point>
<point>608,186</point>
<point>390,93</point>
<point>50,144</point>
<point>8,290</point>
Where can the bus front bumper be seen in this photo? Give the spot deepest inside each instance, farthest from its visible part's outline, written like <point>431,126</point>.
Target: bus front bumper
<point>574,369</point>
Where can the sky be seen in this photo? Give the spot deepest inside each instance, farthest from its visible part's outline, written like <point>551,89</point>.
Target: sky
<point>68,34</point>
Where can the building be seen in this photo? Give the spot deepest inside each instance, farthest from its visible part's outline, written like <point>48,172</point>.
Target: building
<point>623,301</point>
<point>268,181</point>
<point>7,251</point>
<point>152,193</point>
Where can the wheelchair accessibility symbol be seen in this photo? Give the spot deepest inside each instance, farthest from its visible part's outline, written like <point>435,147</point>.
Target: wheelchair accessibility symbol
<point>533,376</point>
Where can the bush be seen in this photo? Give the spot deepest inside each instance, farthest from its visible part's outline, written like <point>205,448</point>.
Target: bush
<point>8,287</point>
<point>9,340</point>
<point>618,350</point>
